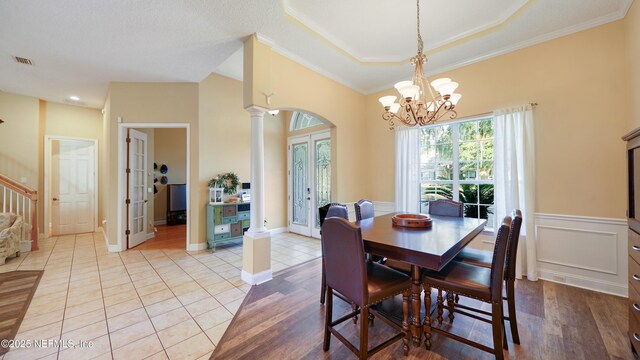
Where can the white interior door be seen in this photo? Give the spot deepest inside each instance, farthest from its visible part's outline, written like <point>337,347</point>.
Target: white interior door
<point>72,186</point>
<point>136,189</point>
<point>309,163</point>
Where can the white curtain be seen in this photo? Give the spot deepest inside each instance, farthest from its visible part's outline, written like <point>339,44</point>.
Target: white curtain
<point>408,170</point>
<point>515,179</point>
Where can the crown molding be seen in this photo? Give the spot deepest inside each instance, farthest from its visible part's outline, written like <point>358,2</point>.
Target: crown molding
<point>620,14</point>
<point>521,45</point>
<point>625,7</point>
<point>307,24</point>
<point>295,58</point>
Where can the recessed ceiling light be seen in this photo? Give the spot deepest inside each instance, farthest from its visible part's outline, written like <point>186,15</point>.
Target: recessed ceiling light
<point>274,112</point>
<point>74,98</point>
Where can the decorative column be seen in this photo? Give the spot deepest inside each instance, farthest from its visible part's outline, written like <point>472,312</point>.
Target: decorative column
<point>256,246</point>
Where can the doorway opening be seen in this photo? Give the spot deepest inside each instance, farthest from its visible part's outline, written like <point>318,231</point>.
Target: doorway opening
<point>71,185</point>
<point>154,186</point>
<point>309,173</point>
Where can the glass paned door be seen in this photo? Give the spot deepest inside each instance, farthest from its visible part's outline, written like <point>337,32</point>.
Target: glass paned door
<point>300,184</point>
<point>309,181</point>
<point>323,175</point>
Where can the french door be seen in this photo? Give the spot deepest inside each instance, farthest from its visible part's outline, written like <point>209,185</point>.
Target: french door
<point>137,185</point>
<point>309,169</point>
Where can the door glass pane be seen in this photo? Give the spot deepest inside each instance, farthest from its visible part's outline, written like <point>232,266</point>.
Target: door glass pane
<point>323,175</point>
<point>299,183</point>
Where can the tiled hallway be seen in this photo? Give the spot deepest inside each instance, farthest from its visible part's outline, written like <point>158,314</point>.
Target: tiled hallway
<point>154,304</point>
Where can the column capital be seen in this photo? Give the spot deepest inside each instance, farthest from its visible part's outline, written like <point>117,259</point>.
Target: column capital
<point>255,110</point>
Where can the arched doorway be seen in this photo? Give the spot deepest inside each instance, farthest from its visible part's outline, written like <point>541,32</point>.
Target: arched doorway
<point>309,171</point>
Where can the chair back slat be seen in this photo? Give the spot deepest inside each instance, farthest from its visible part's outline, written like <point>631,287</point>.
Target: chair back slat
<point>344,259</point>
<point>444,207</point>
<point>499,254</point>
<point>364,209</point>
<point>512,248</point>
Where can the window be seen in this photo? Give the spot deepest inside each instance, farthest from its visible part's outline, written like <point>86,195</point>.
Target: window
<point>301,121</point>
<point>456,163</point>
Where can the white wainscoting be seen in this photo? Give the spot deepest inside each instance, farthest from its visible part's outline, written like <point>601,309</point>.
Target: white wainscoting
<point>586,252</point>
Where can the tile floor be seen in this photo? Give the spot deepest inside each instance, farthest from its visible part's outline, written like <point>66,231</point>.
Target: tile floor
<point>138,304</point>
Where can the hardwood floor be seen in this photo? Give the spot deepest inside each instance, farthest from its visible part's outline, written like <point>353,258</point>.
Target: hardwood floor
<point>283,319</point>
<point>167,237</point>
<point>16,291</point>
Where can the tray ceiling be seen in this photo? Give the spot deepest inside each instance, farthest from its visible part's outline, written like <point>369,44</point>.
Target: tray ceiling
<point>79,46</point>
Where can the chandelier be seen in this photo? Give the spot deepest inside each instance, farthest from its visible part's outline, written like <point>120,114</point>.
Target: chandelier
<point>413,108</point>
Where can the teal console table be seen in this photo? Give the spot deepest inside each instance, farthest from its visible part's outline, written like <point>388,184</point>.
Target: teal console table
<point>226,222</point>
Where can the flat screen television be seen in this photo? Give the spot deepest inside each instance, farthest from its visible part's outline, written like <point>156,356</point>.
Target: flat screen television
<point>176,197</point>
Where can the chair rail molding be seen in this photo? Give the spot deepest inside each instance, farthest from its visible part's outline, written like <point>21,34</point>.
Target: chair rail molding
<point>582,251</point>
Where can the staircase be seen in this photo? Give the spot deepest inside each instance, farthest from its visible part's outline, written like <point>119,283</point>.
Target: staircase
<point>21,200</point>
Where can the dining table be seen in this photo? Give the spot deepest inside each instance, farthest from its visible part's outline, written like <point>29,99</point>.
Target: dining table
<point>423,248</point>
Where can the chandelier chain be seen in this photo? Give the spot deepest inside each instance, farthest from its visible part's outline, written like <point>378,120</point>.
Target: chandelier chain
<point>420,44</point>
<point>414,107</point>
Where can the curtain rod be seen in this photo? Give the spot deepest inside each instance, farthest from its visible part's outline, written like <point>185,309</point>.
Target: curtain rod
<point>476,116</point>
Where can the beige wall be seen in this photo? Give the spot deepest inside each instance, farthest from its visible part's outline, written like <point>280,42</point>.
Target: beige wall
<point>170,148</point>
<point>19,138</point>
<point>75,121</point>
<point>322,97</point>
<point>106,137</point>
<point>151,103</point>
<point>27,121</point>
<point>225,145</point>
<point>579,82</point>
<point>632,47</point>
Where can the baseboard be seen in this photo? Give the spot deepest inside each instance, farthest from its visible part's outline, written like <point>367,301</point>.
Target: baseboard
<point>110,248</point>
<point>279,230</point>
<point>197,247</point>
<point>582,282</point>
<point>582,251</point>
<point>258,278</point>
<point>114,248</point>
<point>160,222</point>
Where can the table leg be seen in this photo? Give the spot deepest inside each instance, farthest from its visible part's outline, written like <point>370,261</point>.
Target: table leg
<point>416,324</point>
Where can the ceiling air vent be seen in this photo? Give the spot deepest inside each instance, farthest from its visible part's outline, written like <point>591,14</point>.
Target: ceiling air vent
<point>22,60</point>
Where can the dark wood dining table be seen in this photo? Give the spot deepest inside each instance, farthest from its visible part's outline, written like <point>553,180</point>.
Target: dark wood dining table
<point>429,249</point>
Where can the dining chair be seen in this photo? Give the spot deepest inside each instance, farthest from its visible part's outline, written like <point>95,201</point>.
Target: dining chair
<point>329,210</point>
<point>441,207</point>
<point>446,207</point>
<point>484,258</point>
<point>362,283</point>
<point>480,283</point>
<point>365,210</point>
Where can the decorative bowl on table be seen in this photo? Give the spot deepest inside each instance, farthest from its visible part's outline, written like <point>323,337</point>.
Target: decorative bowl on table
<point>419,221</point>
